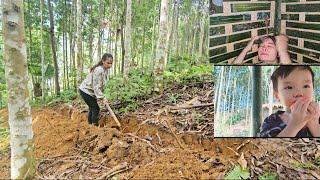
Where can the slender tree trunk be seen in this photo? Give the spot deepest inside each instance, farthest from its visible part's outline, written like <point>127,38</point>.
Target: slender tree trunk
<point>218,96</point>
<point>143,43</point>
<point>30,33</point>
<point>256,100</point>
<point>128,31</point>
<point>177,32</point>
<point>100,30</point>
<point>16,72</point>
<point>79,42</point>
<point>161,53</point>
<point>153,41</point>
<point>122,50</point>
<point>53,47</point>
<point>171,27</point>
<point>42,54</point>
<point>116,52</point>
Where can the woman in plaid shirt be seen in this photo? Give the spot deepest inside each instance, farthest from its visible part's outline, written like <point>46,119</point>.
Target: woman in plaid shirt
<point>92,88</point>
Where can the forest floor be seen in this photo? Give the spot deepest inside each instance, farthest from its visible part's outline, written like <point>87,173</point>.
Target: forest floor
<point>169,136</point>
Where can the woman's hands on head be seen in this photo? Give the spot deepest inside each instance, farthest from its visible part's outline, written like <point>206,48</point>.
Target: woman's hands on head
<point>251,44</point>
<point>282,43</point>
<point>282,48</point>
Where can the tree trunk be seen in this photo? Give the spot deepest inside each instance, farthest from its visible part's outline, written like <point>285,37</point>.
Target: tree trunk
<point>122,50</point>
<point>218,96</point>
<point>16,71</point>
<point>100,31</point>
<point>161,52</point>
<point>116,52</point>
<point>42,54</point>
<point>256,100</point>
<point>53,47</point>
<point>153,42</point>
<point>78,52</point>
<point>128,31</point>
<point>171,28</point>
<point>177,32</point>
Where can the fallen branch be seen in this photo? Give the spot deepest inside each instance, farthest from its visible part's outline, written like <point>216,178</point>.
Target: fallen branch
<point>174,134</point>
<point>237,154</point>
<point>243,144</point>
<point>115,170</point>
<point>146,141</point>
<point>189,106</point>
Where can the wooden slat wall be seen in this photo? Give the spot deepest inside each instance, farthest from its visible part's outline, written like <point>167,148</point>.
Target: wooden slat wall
<point>300,20</point>
<point>233,25</point>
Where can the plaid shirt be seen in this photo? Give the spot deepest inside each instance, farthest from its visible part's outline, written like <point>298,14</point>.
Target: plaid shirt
<point>95,83</point>
<point>273,125</point>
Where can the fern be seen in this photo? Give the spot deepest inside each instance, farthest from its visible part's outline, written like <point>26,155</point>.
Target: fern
<point>238,173</point>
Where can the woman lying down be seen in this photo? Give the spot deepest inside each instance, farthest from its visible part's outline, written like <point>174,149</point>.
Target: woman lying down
<point>271,50</point>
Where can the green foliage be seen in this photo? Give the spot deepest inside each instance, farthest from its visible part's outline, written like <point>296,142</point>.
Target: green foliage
<point>4,136</point>
<point>173,98</point>
<point>199,117</point>
<point>66,96</point>
<point>238,173</point>
<point>317,161</point>
<point>268,176</point>
<point>234,119</point>
<point>137,87</point>
<point>304,165</point>
<point>185,69</point>
<point>4,132</point>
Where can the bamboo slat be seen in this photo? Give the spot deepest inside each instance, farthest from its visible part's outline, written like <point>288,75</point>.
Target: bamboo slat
<point>236,21</point>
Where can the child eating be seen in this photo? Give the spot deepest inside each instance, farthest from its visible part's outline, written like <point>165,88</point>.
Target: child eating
<point>294,87</point>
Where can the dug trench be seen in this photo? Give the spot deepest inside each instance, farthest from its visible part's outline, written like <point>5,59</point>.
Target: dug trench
<point>67,147</point>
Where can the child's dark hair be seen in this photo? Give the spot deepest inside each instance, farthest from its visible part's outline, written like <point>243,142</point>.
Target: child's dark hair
<point>105,57</point>
<point>284,71</point>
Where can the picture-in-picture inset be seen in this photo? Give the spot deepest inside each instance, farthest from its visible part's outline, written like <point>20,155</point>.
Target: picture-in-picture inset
<point>268,101</point>
<point>264,32</point>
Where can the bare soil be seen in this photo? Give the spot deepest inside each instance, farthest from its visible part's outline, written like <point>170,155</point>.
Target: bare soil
<point>161,139</point>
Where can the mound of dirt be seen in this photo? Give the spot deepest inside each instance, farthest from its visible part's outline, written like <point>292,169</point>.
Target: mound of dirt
<point>66,146</point>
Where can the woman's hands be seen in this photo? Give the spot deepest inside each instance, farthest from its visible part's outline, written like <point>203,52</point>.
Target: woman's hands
<point>251,44</point>
<point>249,47</point>
<point>102,102</point>
<point>282,48</point>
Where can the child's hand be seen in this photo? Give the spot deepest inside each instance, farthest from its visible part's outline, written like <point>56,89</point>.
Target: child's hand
<point>299,115</point>
<point>313,115</point>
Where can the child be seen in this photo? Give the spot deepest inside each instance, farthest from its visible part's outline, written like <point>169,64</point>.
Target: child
<point>294,87</point>
<point>271,50</point>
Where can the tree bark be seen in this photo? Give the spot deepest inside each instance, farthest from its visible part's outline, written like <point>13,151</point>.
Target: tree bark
<point>42,54</point>
<point>100,31</point>
<point>53,47</point>
<point>16,72</point>
<point>78,51</point>
<point>161,52</point>
<point>127,43</point>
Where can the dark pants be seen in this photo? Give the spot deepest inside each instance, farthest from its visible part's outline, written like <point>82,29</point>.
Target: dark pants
<point>93,115</point>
